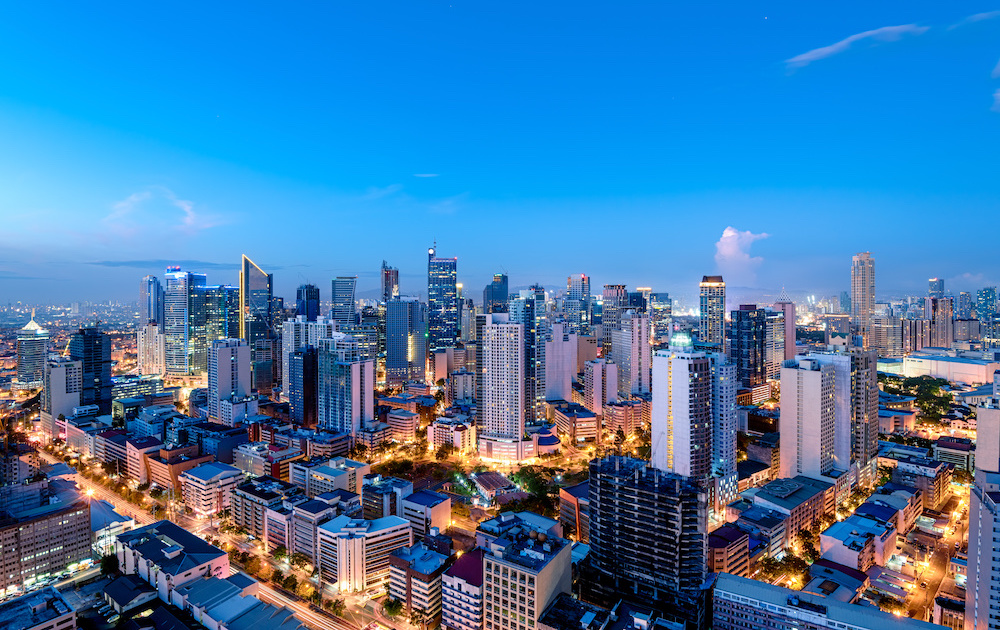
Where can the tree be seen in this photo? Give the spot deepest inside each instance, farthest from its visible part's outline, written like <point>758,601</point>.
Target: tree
<point>444,451</point>
<point>142,487</point>
<point>890,605</point>
<point>278,577</point>
<point>336,606</point>
<point>291,583</point>
<point>279,552</point>
<point>155,493</point>
<point>253,565</point>
<point>392,607</point>
<point>304,590</point>
<point>109,564</point>
<point>299,559</point>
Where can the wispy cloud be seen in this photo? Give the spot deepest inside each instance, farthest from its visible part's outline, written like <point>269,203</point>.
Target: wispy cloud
<point>375,192</point>
<point>732,255</point>
<point>996,101</point>
<point>884,34</point>
<point>975,17</point>
<point>426,174</point>
<point>996,72</point>
<point>134,214</point>
<point>161,263</point>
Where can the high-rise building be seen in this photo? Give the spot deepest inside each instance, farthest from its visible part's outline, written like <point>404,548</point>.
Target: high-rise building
<point>221,312</point>
<point>631,351</point>
<point>647,538</point>
<point>345,386</point>
<point>786,307</point>
<point>528,310</point>
<point>600,384</point>
<point>92,349</point>
<point>256,301</point>
<point>578,306</point>
<point>774,344</point>
<point>749,345</point>
<point>442,301</point>
<point>228,374</point>
<point>935,288</point>
<point>151,301</point>
<point>297,334</point>
<point>389,279</point>
<point>808,419</point>
<point>344,307</point>
<point>495,294</point>
<point>307,302</point>
<point>963,307</point>
<point>151,349</point>
<point>986,303</point>
<point>178,317</point>
<point>939,312</point>
<point>560,363</point>
<point>503,399</point>
<point>301,386</point>
<point>405,340</point>
<point>32,351</point>
<point>862,293</point>
<point>660,315</point>
<point>712,307</point>
<point>682,410</point>
<point>61,389</point>
<point>724,425</point>
<point>614,301</point>
<point>982,593</point>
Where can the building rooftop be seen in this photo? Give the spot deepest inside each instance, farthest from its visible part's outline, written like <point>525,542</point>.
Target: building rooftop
<point>378,484</point>
<point>344,522</point>
<point>469,567</point>
<point>877,512</point>
<point>791,493</point>
<point>504,521</point>
<point>267,488</point>
<point>33,609</point>
<point>421,559</point>
<point>491,481</point>
<point>126,589</point>
<point>426,498</point>
<point>211,470</point>
<point>173,549</point>
<point>567,613</point>
<point>580,490</point>
<point>103,514</point>
<point>748,468</point>
<point>527,547</point>
<point>142,443</point>
<point>725,536</point>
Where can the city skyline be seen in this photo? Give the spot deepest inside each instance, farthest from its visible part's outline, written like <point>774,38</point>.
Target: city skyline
<point>881,120</point>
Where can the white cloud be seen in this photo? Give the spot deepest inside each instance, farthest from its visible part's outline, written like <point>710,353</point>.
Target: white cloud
<point>884,34</point>
<point>732,256</point>
<point>426,175</point>
<point>139,213</point>
<point>976,17</point>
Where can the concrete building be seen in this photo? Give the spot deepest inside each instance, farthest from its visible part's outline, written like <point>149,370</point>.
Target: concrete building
<point>228,375</point>
<point>415,579</point>
<point>462,592</point>
<point>931,477</point>
<point>167,464</point>
<point>574,511</point>
<point>258,459</point>
<point>207,488</point>
<point>624,416</point>
<point>318,476</point>
<point>577,423</point>
<point>712,302</point>
<point>426,510</point>
<point>403,425</point>
<point>859,542</point>
<point>151,349</point>
<point>45,609</point>
<point>296,335</point>
<point>454,432</point>
<point>803,500</point>
<point>354,553</point>
<point>729,551</point>
<point>786,307</point>
<point>600,384</point>
<point>251,499</point>
<point>560,362</point>
<point>682,410</point>
<point>982,607</point>
<point>137,451</point>
<point>346,386</point>
<point>630,351</point>
<point>807,419</point>
<point>62,386</point>
<point>383,496</point>
<point>504,397</point>
<point>862,293</point>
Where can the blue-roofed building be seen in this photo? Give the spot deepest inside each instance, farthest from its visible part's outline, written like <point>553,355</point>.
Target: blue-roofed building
<point>425,510</point>
<point>415,579</point>
<point>230,603</point>
<point>207,489</point>
<point>859,542</point>
<point>105,526</point>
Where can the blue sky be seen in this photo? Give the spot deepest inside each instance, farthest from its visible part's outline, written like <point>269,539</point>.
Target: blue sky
<point>641,143</point>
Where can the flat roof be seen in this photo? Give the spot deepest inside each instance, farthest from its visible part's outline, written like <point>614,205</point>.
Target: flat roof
<point>33,609</point>
<point>426,498</point>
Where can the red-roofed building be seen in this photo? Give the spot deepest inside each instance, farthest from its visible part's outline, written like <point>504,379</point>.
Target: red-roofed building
<point>462,593</point>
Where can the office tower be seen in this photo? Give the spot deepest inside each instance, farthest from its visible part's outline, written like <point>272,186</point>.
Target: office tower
<point>808,419</point>
<point>495,294</point>
<point>631,351</point>
<point>935,288</point>
<point>560,363</point>
<point>307,302</point>
<point>963,308</point>
<point>647,538</point>
<point>749,345</point>
<point>345,386</point>
<point>389,279</point>
<point>639,300</point>
<point>600,384</point>
<point>63,384</point>
<point>503,399</point>
<point>151,301</point>
<point>256,299</point>
<point>297,334</point>
<point>682,410</point>
<point>32,351</point>
<point>92,349</point>
<point>845,302</point>
<point>712,305</point>
<point>228,373</point>
<point>774,344</point>
<point>177,318</point>
<point>724,425</point>
<point>577,307</point>
<point>982,610</point>
<point>405,340</point>
<point>660,315</point>
<point>344,310</point>
<point>366,331</point>
<point>786,307</point>
<point>151,349</point>
<point>613,301</point>
<point>939,312</point>
<point>862,293</point>
<point>986,303</point>
<point>528,310</point>
<point>442,301</point>
<point>301,386</point>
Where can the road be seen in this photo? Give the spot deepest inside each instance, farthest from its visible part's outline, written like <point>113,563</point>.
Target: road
<point>937,568</point>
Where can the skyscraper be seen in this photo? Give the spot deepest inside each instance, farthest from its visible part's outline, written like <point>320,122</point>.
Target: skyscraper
<point>982,610</point>
<point>935,288</point>
<point>442,301</point>
<point>939,312</point>
<point>345,386</point>
<point>405,340</point>
<point>631,351</point>
<point>862,293</point>
<point>787,308</point>
<point>560,362</point>
<point>92,349</point>
<point>577,306</point>
<point>660,315</point>
<point>963,308</point>
<point>986,303</point>
<point>528,310</point>
<point>228,374</point>
<point>63,383</point>
<point>681,430</point>
<point>297,334</point>
<point>495,294</point>
<point>808,419</point>
<point>150,349</point>
<point>307,302</point>
<point>150,301</point>
<point>647,538</point>
<point>256,297</point>
<point>179,297</point>
<point>712,307</point>
<point>724,425</point>
<point>221,309</point>
<point>749,345</point>
<point>389,278</point>
<point>32,351</point>
<point>344,306</point>
<point>502,404</point>
<point>614,300</point>
<point>301,386</point>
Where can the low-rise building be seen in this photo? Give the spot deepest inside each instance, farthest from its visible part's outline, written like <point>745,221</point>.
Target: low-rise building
<point>207,489</point>
<point>45,609</point>
<point>136,452</point>
<point>907,501</point>
<point>383,496</point>
<point>496,527</point>
<point>958,451</point>
<point>317,476</point>
<point>859,541</point>
<point>403,424</point>
<point>932,478</point>
<point>426,510</point>
<point>454,432</point>
<point>127,592</point>
<point>166,465</point>
<point>316,444</point>
<point>258,459</point>
<point>372,434</point>
<point>802,499</point>
<point>354,553</point>
<point>415,579</point>
<point>574,511</point>
<point>569,613</point>
<point>836,581</point>
<point>577,422</point>
<point>729,551</point>
<point>623,415</point>
<point>106,525</point>
<point>251,499</point>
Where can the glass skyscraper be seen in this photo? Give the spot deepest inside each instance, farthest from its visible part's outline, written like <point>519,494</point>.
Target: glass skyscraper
<point>256,294</point>
<point>406,343</point>
<point>150,301</point>
<point>495,294</point>
<point>307,301</point>
<point>344,309</point>
<point>92,349</point>
<point>442,301</point>
<point>178,319</point>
